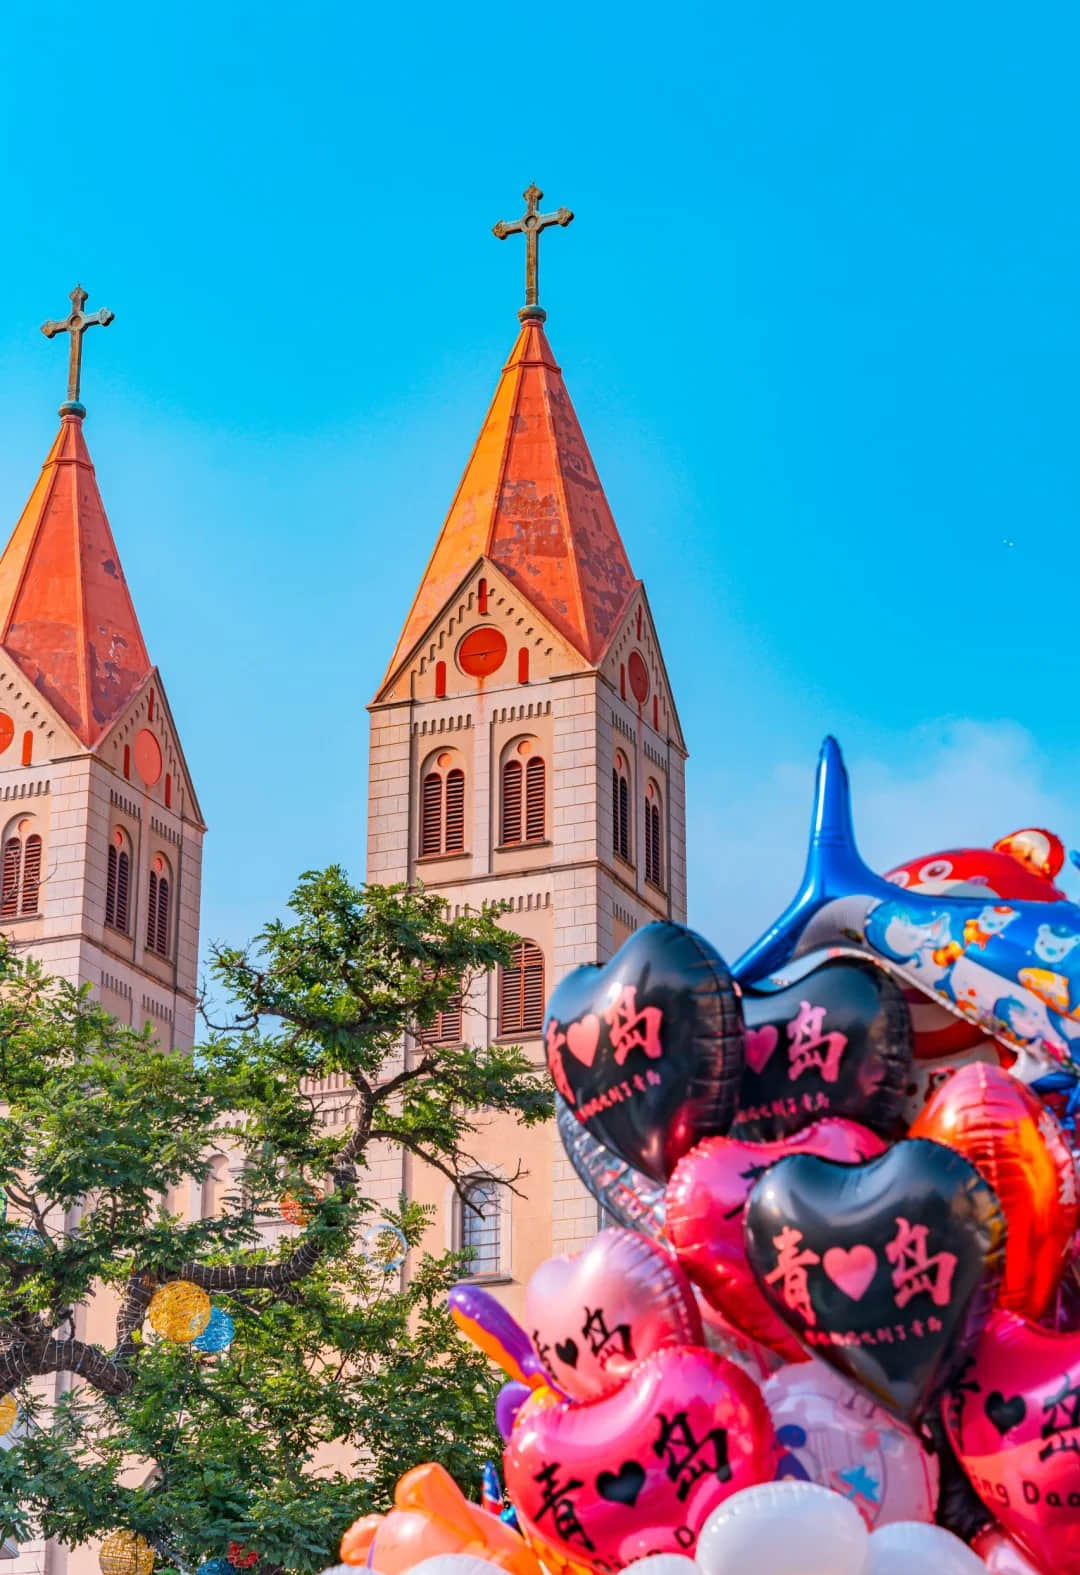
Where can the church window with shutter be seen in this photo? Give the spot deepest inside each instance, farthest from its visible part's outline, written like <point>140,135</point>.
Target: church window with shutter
<point>654,869</point>
<point>521,991</point>
<point>523,807</point>
<point>20,884</point>
<point>620,807</point>
<point>118,882</point>
<point>158,907</point>
<point>442,807</point>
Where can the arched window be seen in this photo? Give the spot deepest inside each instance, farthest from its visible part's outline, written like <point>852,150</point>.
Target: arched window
<point>446,1029</point>
<point>523,665</point>
<point>534,799</point>
<point>440,680</point>
<point>27,748</point>
<point>654,869</point>
<point>481,598</point>
<point>150,703</point>
<point>620,807</point>
<point>481,1221</point>
<point>523,798</point>
<point>159,895</point>
<point>442,807</point>
<point>215,1187</point>
<point>118,882</point>
<point>168,790</point>
<point>622,680</point>
<point>511,801</point>
<point>20,885</point>
<point>521,991</point>
<point>127,760</point>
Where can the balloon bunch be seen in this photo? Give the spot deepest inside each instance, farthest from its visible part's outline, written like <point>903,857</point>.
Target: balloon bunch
<point>838,1305</point>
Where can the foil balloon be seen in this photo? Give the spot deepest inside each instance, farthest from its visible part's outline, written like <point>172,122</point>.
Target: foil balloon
<point>432,1516</point>
<point>489,1326</point>
<point>900,1548</point>
<point>629,1197</point>
<point>639,1471</point>
<point>1011,968</point>
<point>1016,1145</point>
<point>705,1205</point>
<point>665,1564</point>
<point>647,1051</point>
<point>1014,1421</point>
<point>508,1402</point>
<point>720,1336</point>
<point>833,1434</point>
<point>785,1528</point>
<point>595,1314</point>
<point>886,1270</point>
<point>1023,864</point>
<point>837,1043</point>
<point>1001,1555</point>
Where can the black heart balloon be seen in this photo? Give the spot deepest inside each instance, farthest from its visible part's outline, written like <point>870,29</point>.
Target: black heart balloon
<point>886,1270</point>
<point>647,1051</point>
<point>837,1043</point>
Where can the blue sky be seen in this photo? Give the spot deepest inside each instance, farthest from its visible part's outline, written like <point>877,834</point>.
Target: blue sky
<point>818,312</point>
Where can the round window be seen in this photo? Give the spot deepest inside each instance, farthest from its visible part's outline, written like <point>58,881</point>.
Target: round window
<point>482,652</point>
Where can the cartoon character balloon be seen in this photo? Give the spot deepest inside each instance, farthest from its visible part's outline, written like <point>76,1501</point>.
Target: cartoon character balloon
<point>430,1516</point>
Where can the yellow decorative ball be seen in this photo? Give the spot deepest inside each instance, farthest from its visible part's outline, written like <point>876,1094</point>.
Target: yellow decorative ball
<point>126,1553</point>
<point>179,1311</point>
<point>8,1412</point>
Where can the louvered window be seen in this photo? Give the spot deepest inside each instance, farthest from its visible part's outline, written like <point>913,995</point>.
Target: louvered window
<point>455,810</point>
<point>157,914</point>
<point>534,800</point>
<point>620,813</point>
<point>481,1220</point>
<point>446,1029</point>
<point>117,888</point>
<point>653,864</point>
<point>431,814</point>
<point>521,991</point>
<point>31,881</point>
<point>511,802</point>
<point>9,892</point>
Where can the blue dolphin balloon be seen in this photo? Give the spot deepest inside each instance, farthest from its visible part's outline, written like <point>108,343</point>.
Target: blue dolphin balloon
<point>1013,967</point>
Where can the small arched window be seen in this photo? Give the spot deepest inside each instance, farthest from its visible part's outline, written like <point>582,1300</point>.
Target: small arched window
<point>523,665</point>
<point>622,680</point>
<point>440,680</point>
<point>158,902</point>
<point>127,760</point>
<point>442,807</point>
<point>620,807</point>
<point>481,598</point>
<point>481,1221</point>
<point>20,885</point>
<point>523,797</point>
<point>118,882</point>
<point>168,790</point>
<point>654,868</point>
<point>215,1187</point>
<point>150,705</point>
<point>521,991</point>
<point>656,713</point>
<point>27,748</point>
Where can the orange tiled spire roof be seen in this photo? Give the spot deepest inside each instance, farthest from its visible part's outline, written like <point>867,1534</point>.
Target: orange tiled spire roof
<point>530,499</point>
<point>66,616</point>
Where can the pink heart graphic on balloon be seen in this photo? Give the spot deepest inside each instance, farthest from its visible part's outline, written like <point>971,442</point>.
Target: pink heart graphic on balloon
<point>852,1269</point>
<point>760,1044</point>
<point>593,1316</point>
<point>705,1203</point>
<point>582,1039</point>
<point>641,1470</point>
<point>1014,1421</point>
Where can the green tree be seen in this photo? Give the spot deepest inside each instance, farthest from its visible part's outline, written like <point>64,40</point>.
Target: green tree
<point>330,1352</point>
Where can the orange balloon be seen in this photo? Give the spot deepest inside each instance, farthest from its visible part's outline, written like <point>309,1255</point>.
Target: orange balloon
<point>431,1515</point>
<point>1014,1142</point>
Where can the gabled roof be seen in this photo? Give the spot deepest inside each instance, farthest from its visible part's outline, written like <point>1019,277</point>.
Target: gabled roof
<point>66,616</point>
<point>530,500</point>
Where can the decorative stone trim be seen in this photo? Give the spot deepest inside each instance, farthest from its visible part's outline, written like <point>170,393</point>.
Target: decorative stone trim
<point>25,789</point>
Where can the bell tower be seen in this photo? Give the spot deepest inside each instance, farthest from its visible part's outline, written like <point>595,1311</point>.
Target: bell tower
<point>525,749</point>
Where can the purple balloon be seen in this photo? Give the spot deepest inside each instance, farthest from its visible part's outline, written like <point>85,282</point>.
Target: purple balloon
<point>511,1397</point>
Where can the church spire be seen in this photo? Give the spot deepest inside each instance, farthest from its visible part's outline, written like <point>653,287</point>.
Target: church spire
<point>530,500</point>
<point>66,616</point>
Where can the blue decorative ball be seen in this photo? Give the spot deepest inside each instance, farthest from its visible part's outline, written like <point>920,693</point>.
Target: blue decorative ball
<point>215,1566</point>
<point>20,1242</point>
<point>215,1338</point>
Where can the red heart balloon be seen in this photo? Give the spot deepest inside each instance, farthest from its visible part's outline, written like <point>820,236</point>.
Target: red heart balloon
<point>1014,1421</point>
<point>1016,1145</point>
<point>705,1203</point>
<point>640,1471</point>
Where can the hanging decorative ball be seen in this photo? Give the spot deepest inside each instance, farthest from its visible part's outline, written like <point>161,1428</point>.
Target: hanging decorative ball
<point>215,1567</point>
<point>384,1247</point>
<point>8,1412</point>
<point>125,1553</point>
<point>217,1336</point>
<point>297,1211</point>
<point>179,1311</point>
<point>242,1558</point>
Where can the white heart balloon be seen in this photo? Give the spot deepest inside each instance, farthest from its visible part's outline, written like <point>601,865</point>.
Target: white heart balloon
<point>785,1528</point>
<point>909,1545</point>
<point>455,1564</point>
<point>663,1564</point>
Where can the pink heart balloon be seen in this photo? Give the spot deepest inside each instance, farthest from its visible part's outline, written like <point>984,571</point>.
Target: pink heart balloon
<point>640,1471</point>
<point>706,1197</point>
<point>1014,1421</point>
<point>834,1434</point>
<point>593,1316</point>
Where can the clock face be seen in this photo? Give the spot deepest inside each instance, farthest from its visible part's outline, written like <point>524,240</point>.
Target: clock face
<point>7,730</point>
<point>147,756</point>
<point>638,674</point>
<point>482,652</point>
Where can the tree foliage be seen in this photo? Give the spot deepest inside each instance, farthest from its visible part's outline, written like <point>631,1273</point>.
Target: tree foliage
<point>334,1359</point>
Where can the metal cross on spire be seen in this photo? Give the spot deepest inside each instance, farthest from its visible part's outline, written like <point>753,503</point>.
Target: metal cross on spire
<point>76,325</point>
<point>530,225</point>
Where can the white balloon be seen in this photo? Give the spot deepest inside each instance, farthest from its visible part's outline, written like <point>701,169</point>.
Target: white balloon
<point>454,1564</point>
<point>909,1545</point>
<point>663,1564</point>
<point>785,1528</point>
